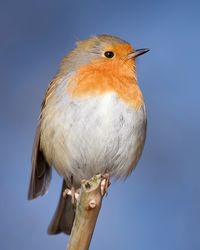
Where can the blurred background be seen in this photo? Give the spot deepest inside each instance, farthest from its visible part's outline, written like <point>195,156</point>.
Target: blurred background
<point>158,207</point>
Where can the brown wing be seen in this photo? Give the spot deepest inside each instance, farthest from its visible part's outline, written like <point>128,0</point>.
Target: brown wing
<point>41,171</point>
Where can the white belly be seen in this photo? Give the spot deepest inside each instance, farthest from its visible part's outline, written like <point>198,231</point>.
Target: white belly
<point>87,136</point>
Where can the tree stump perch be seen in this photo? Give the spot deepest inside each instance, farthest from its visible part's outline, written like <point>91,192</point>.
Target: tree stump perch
<point>87,209</point>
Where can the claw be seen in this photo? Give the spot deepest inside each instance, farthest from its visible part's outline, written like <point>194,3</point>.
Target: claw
<point>71,193</point>
<point>105,184</point>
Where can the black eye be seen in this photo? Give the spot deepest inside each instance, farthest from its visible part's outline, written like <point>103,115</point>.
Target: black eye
<point>109,54</point>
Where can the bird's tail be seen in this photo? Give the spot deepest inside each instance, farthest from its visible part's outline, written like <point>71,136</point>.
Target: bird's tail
<point>63,218</point>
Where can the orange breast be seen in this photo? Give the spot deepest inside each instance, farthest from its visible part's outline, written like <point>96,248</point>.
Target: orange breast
<point>105,75</point>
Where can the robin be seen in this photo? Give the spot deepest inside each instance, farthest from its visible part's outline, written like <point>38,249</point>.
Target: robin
<point>92,120</point>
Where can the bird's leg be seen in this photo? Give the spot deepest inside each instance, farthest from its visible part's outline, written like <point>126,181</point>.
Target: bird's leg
<point>105,183</point>
<point>71,192</point>
<point>68,191</point>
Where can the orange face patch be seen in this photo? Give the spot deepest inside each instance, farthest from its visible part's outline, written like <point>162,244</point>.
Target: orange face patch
<point>109,74</point>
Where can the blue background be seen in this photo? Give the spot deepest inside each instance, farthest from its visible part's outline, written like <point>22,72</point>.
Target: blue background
<point>158,207</point>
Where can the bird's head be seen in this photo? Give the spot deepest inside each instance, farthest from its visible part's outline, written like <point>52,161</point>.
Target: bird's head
<point>103,64</point>
<point>109,52</point>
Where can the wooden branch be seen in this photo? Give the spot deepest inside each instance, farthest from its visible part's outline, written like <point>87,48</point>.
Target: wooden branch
<point>87,210</point>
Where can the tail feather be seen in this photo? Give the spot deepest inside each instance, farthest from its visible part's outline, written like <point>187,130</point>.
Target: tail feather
<point>63,218</point>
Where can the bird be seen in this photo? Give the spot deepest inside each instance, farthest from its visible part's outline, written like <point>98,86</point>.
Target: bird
<point>93,120</point>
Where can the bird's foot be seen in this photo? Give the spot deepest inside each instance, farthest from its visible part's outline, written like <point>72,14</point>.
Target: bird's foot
<point>73,193</point>
<point>105,184</point>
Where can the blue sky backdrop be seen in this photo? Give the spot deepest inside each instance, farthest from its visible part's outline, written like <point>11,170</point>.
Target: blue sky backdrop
<point>158,207</point>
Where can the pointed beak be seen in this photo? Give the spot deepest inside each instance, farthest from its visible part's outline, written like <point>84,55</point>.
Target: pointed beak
<point>137,52</point>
